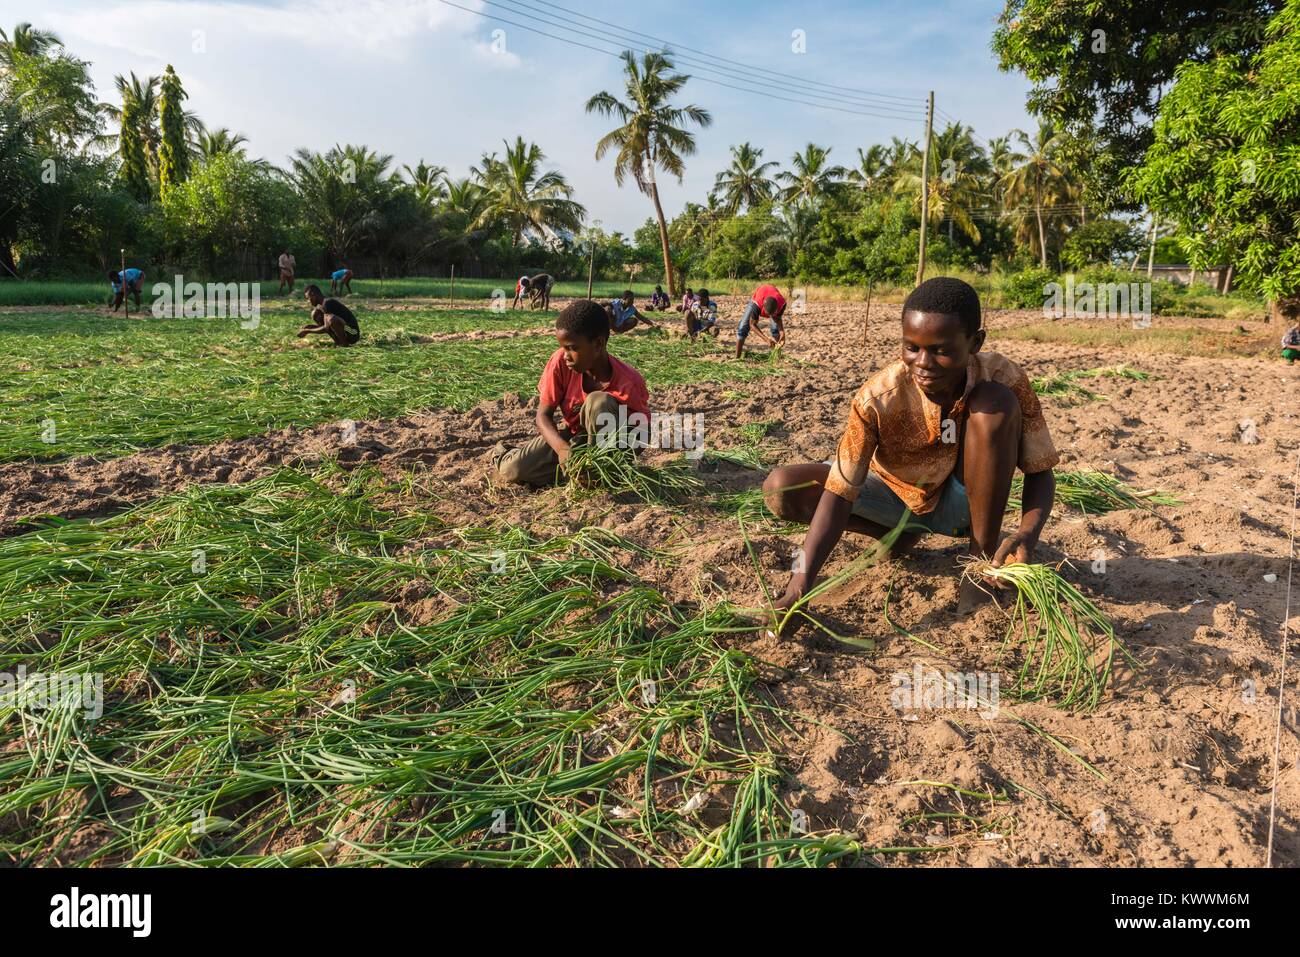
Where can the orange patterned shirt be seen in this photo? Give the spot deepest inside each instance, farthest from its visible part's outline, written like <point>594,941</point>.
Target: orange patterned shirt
<point>895,431</point>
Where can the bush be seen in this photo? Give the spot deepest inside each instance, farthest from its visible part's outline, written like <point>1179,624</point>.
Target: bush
<point>1025,289</point>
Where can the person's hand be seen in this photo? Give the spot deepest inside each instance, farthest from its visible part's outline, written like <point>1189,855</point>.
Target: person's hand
<point>1015,548</point>
<point>794,593</point>
<point>564,453</point>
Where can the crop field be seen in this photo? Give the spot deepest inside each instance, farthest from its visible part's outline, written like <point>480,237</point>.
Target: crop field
<point>300,647</point>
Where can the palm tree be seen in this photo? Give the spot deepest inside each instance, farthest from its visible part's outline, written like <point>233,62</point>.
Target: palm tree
<point>651,134</point>
<point>25,41</point>
<point>428,181</point>
<point>1037,177</point>
<point>745,182</point>
<point>343,193</point>
<point>812,178</point>
<point>209,144</point>
<point>523,197</point>
<point>872,168</point>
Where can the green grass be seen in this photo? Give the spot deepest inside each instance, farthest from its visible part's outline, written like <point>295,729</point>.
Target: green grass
<point>279,704</point>
<point>1065,385</point>
<point>97,292</point>
<point>111,386</point>
<point>1094,492</point>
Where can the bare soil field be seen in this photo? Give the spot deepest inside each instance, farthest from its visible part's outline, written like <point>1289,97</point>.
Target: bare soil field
<point>1177,764</point>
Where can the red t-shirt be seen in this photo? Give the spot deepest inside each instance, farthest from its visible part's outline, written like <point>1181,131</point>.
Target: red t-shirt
<point>768,292</point>
<point>561,387</point>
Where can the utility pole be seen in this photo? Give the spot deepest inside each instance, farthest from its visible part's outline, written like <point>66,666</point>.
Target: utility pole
<point>121,277</point>
<point>925,187</point>
<point>591,267</point>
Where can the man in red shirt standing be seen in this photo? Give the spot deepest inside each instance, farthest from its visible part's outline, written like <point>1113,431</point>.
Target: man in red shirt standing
<point>586,385</point>
<point>766,303</point>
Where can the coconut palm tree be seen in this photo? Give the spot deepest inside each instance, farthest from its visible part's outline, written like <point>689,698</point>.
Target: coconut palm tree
<point>745,182</point>
<point>429,182</point>
<point>872,169</point>
<point>523,197</point>
<point>343,193</point>
<point>812,177</point>
<point>651,135</point>
<point>25,41</point>
<point>209,144</point>
<point>1035,180</point>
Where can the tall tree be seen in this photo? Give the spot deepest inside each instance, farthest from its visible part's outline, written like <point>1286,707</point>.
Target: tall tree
<point>811,177</point>
<point>1225,163</point>
<point>1036,180</point>
<point>1099,69</point>
<point>211,144</point>
<point>745,182</point>
<point>25,41</point>
<point>428,181</point>
<point>651,134</point>
<point>174,149</point>
<point>523,197</point>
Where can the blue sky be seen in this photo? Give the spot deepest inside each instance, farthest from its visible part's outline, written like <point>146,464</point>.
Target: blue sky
<point>421,79</point>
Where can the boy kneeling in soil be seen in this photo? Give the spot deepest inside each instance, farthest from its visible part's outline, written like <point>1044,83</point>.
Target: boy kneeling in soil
<point>940,432</point>
<point>331,317</point>
<point>586,385</point>
<point>624,315</point>
<point>766,303</point>
<point>702,316</point>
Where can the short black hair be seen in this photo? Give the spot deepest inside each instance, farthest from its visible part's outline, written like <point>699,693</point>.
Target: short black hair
<point>313,288</point>
<point>947,295</point>
<point>112,274</point>
<point>704,293</point>
<point>628,294</point>
<point>584,318</point>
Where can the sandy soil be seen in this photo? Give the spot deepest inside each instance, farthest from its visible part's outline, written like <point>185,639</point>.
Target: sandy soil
<point>1184,743</point>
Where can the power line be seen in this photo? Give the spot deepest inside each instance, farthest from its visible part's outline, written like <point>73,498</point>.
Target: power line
<point>702,79</point>
<point>865,97</point>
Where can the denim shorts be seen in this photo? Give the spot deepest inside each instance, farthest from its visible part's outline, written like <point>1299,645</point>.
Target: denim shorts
<point>752,315</point>
<point>878,503</point>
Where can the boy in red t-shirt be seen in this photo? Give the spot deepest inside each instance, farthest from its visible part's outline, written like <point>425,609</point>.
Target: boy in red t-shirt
<point>586,385</point>
<point>766,303</point>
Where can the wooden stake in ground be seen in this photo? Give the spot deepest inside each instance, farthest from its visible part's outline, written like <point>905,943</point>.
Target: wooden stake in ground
<point>451,294</point>
<point>591,267</point>
<point>925,188</point>
<point>866,318</point>
<point>121,277</point>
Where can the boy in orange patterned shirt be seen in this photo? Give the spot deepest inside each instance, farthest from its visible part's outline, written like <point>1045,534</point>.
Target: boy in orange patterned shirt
<point>940,432</point>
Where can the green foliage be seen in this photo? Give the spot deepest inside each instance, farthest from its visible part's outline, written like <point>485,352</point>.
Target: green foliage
<point>173,152</point>
<point>1100,242</point>
<point>1225,164</point>
<point>1026,289</point>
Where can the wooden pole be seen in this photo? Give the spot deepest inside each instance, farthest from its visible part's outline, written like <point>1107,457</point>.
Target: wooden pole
<point>1151,251</point>
<point>451,295</point>
<point>591,268</point>
<point>126,300</point>
<point>925,187</point>
<point>867,318</point>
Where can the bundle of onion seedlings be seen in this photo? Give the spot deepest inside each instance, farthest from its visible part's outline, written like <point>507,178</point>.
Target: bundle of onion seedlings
<point>617,471</point>
<point>1065,645</point>
<point>1091,491</point>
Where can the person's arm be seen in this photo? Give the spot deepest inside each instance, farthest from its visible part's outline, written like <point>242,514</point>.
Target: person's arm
<point>828,524</point>
<point>546,426</point>
<point>1036,506</point>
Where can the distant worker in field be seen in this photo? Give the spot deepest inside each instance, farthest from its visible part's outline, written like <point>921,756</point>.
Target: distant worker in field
<point>939,433</point>
<point>287,266</point>
<point>536,288</point>
<point>659,301</point>
<point>702,316</point>
<point>766,303</point>
<point>331,317</point>
<point>127,282</point>
<point>340,279</point>
<point>586,386</point>
<point>624,315</point>
<point>1291,344</point>
<point>688,299</point>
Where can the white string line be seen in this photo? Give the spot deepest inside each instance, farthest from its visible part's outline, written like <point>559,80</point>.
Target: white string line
<point>1281,688</point>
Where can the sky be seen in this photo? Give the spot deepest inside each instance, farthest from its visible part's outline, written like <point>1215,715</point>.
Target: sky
<point>424,79</point>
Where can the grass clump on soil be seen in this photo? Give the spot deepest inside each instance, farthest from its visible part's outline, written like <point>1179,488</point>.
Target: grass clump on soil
<point>1094,492</point>
<point>297,671</point>
<point>1065,385</point>
<point>592,466</point>
<point>1066,646</point>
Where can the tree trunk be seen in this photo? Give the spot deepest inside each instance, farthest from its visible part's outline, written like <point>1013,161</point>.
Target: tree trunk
<point>1042,236</point>
<point>663,230</point>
